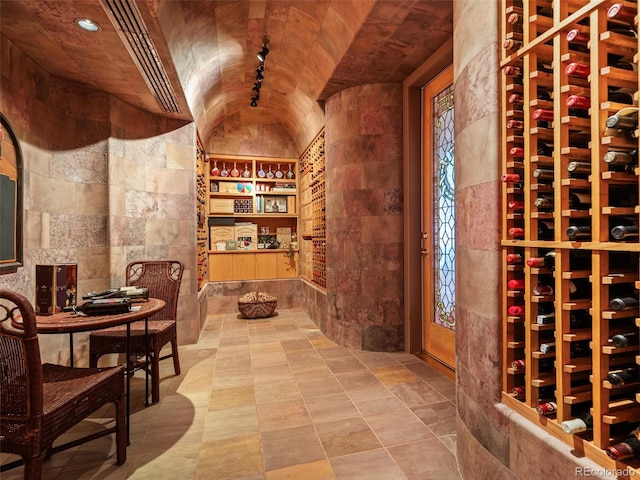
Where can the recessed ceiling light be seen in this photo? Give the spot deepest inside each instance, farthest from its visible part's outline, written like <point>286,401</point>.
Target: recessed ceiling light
<point>88,25</point>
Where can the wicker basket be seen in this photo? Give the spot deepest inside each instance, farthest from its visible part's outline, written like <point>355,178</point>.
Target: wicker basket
<point>257,305</point>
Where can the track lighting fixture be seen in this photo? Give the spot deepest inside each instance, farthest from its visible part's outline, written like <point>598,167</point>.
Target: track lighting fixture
<point>262,54</point>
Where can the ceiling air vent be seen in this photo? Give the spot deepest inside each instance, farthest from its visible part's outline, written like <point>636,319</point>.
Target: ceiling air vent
<point>127,20</point>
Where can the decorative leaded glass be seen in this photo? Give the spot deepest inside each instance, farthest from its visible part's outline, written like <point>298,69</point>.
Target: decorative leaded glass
<point>444,210</point>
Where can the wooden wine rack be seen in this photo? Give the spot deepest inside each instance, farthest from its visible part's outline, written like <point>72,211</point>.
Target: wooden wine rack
<point>557,180</point>
<point>201,212</point>
<point>313,220</point>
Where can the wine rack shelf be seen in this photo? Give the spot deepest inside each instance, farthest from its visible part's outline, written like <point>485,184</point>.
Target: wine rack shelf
<point>570,247</point>
<point>202,236</point>
<point>313,220</point>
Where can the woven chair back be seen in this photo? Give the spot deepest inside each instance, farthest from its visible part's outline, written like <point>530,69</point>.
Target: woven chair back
<point>162,278</point>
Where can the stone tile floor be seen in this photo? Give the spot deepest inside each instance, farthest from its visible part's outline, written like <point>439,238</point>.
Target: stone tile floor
<point>274,399</point>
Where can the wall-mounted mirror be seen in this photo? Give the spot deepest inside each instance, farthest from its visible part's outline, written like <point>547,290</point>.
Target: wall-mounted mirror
<point>10,199</point>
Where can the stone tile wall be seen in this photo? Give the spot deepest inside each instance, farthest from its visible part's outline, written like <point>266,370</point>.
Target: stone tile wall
<point>363,148</point>
<point>104,183</point>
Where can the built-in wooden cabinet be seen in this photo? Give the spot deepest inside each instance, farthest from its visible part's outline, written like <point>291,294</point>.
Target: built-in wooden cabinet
<point>570,224</point>
<point>253,211</point>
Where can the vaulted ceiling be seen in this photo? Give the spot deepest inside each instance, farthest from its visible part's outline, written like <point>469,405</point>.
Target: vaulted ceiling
<point>207,50</point>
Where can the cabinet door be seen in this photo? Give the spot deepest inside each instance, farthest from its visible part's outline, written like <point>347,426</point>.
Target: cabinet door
<point>220,267</point>
<point>287,266</point>
<point>244,266</point>
<point>266,265</point>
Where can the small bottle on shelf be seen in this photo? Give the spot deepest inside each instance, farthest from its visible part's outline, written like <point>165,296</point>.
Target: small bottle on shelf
<point>234,171</point>
<point>246,173</point>
<point>279,173</point>
<point>270,173</point>
<point>224,172</point>
<point>290,174</point>
<point>215,171</point>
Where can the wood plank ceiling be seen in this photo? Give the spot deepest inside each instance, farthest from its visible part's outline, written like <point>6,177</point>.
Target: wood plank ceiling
<point>208,49</point>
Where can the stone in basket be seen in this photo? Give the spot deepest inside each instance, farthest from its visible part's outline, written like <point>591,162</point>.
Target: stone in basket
<point>257,305</point>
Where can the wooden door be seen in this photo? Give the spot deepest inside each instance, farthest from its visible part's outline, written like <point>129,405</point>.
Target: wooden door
<point>438,220</point>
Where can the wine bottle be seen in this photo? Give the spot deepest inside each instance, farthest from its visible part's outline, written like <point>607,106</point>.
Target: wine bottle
<point>619,12</point>
<point>544,114</point>
<point>516,233</point>
<point>514,124</point>
<point>628,448</point>
<point>514,258</point>
<point>519,391</point>
<point>578,424</point>
<point>515,310</point>
<point>545,230</point>
<point>627,123</point>
<point>546,318</point>
<point>535,262</point>
<point>623,303</point>
<point>290,173</point>
<point>515,205</point>
<point>579,201</point>
<point>626,160</point>
<point>543,175</point>
<point>579,169</point>
<point>580,349</point>
<point>517,152</point>
<point>548,347</point>
<point>577,38</point>
<point>515,284</point>
<point>518,364</point>
<point>623,376</point>
<point>579,232</point>
<point>512,70</point>
<point>578,101</point>
<point>516,99</point>
<point>545,149</point>
<point>625,339</point>
<point>578,70</point>
<point>542,290</point>
<point>547,408</point>
<point>511,44</point>
<point>579,319</point>
<point>624,232</point>
<point>543,202</point>
<point>550,260</point>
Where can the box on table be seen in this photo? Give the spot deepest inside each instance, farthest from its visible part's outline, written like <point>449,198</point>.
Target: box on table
<point>247,235</point>
<point>56,287</point>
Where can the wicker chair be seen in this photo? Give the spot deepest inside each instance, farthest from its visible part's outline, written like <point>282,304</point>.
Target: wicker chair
<point>40,402</point>
<point>162,278</point>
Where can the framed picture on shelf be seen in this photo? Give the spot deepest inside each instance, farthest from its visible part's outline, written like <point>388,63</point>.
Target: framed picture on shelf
<point>275,204</point>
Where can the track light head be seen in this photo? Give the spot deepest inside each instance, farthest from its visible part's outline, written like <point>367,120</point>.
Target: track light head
<point>259,73</point>
<point>256,87</point>
<point>254,101</point>
<point>262,54</point>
